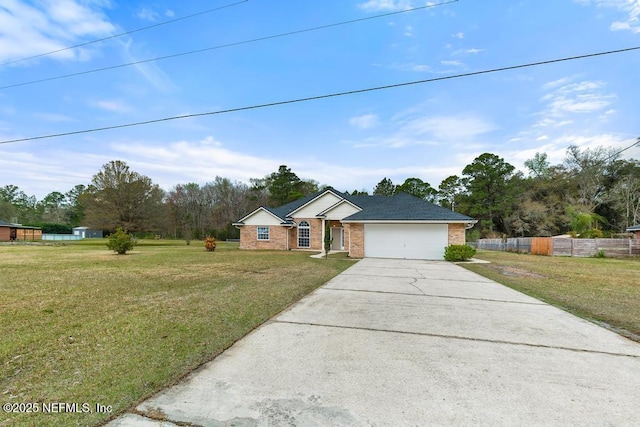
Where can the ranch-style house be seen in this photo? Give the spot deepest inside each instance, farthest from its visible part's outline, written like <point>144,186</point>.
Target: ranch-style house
<point>401,226</point>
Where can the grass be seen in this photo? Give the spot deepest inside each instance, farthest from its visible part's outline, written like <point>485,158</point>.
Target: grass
<point>81,324</point>
<point>604,290</point>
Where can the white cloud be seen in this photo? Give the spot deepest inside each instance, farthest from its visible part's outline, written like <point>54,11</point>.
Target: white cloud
<point>566,97</point>
<point>209,158</point>
<point>366,121</point>
<point>147,14</point>
<point>630,8</point>
<point>459,35</point>
<point>47,171</point>
<point>556,83</point>
<point>385,5</point>
<point>421,68</point>
<point>414,128</point>
<point>453,63</point>
<point>448,129</point>
<point>150,70</point>
<point>52,117</point>
<point>206,159</point>
<point>408,31</point>
<point>471,51</point>
<point>573,112</point>
<point>593,141</point>
<point>28,30</point>
<point>112,105</point>
<point>607,114</point>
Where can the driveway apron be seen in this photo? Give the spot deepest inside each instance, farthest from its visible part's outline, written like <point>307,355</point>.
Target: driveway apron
<point>404,342</point>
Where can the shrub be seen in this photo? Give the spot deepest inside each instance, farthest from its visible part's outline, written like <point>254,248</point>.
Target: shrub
<point>210,244</point>
<point>592,233</point>
<point>600,254</point>
<point>121,241</point>
<point>53,228</point>
<point>459,252</point>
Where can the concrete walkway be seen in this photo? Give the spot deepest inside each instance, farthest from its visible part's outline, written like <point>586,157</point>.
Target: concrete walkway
<point>398,342</point>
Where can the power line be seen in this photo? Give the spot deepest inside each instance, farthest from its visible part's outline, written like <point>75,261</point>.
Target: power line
<point>331,95</point>
<point>616,154</point>
<point>191,52</point>
<point>123,34</point>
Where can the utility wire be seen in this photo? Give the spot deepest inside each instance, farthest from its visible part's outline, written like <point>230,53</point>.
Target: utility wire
<point>331,95</point>
<point>191,52</point>
<point>616,154</point>
<point>124,34</point>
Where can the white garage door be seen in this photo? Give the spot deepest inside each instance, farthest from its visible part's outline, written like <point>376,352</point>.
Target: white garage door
<point>410,241</point>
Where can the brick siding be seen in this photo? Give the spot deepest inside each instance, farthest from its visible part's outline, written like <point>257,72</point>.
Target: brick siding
<point>315,234</point>
<point>277,238</point>
<point>356,239</point>
<point>456,234</point>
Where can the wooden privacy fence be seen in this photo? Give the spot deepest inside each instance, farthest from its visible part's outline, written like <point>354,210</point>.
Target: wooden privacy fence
<point>591,247</point>
<point>542,246</point>
<point>563,246</point>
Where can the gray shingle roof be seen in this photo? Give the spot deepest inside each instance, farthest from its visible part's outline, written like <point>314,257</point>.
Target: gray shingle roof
<point>634,228</point>
<point>401,207</point>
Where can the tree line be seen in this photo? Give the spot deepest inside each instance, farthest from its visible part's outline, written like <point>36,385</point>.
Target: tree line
<point>120,197</point>
<point>592,192</point>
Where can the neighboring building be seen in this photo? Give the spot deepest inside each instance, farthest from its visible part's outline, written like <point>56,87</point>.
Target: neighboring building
<point>86,233</point>
<point>402,226</point>
<point>635,230</point>
<point>16,232</point>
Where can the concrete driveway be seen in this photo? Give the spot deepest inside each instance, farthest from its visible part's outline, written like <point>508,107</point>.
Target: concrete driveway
<point>399,342</point>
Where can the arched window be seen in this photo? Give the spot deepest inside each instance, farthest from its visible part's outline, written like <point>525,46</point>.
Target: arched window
<point>303,234</point>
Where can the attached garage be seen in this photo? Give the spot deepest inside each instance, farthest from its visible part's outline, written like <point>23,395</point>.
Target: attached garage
<point>410,241</point>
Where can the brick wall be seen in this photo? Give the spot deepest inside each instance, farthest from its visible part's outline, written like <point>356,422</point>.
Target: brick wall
<point>346,236</point>
<point>456,234</point>
<point>5,234</point>
<point>277,238</point>
<point>315,234</point>
<point>356,239</point>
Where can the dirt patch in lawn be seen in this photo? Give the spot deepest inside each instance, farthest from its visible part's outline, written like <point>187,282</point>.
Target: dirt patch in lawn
<point>516,272</point>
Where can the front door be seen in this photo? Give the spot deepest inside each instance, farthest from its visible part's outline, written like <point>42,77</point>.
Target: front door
<point>337,234</point>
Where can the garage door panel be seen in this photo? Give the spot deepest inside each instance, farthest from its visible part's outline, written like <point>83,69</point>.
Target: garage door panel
<point>410,241</point>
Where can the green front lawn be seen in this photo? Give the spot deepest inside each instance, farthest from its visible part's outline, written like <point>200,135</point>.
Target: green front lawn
<point>599,289</point>
<point>79,324</point>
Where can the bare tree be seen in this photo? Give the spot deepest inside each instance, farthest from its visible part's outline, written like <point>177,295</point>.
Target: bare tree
<point>625,197</point>
<point>589,167</point>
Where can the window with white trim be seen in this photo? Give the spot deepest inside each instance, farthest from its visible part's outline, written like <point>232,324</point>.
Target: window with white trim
<point>304,233</point>
<point>263,233</point>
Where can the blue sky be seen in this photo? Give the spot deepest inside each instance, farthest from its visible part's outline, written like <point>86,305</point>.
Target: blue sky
<point>429,131</point>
